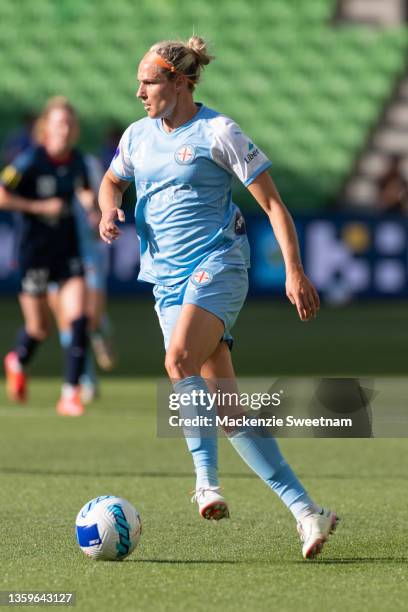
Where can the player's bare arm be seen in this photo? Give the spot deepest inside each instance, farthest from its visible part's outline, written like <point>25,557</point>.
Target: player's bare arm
<point>51,207</point>
<point>89,202</point>
<point>299,289</point>
<point>110,201</point>
<point>87,198</point>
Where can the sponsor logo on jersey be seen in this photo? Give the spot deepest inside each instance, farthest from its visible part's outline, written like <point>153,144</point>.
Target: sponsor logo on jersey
<point>185,154</point>
<point>201,277</point>
<point>252,153</point>
<point>46,186</point>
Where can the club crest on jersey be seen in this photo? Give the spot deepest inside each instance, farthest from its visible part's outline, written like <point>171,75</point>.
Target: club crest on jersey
<point>201,277</point>
<point>185,154</point>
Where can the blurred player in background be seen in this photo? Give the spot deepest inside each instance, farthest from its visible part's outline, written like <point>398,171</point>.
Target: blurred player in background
<point>41,184</point>
<point>94,255</point>
<point>110,143</point>
<point>195,251</point>
<point>94,258</point>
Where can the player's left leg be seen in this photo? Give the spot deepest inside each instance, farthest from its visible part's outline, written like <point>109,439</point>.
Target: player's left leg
<point>36,329</point>
<point>88,380</point>
<point>71,303</point>
<point>261,453</point>
<point>100,328</point>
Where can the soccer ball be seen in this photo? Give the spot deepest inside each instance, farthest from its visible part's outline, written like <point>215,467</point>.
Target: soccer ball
<point>108,527</point>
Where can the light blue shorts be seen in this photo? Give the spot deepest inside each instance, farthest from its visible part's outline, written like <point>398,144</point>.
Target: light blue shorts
<point>219,288</point>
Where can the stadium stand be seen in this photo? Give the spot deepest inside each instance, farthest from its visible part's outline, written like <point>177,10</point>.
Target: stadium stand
<point>307,91</point>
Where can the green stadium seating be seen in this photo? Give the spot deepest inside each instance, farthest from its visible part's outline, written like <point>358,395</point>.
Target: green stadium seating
<point>307,92</point>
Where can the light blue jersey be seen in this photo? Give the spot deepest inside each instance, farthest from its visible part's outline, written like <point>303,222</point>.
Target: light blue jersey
<point>184,210</point>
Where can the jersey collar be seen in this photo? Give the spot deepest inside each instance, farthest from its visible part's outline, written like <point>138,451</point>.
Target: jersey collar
<point>184,126</point>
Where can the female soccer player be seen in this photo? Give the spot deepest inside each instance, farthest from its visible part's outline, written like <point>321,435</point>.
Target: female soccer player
<point>94,258</point>
<point>41,184</point>
<point>195,251</point>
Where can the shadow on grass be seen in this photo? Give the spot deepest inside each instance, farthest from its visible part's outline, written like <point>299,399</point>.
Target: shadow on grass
<point>93,474</point>
<point>351,560</point>
<point>187,561</point>
<point>355,560</point>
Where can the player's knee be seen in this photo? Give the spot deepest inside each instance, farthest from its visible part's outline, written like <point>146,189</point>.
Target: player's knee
<point>40,330</point>
<point>179,363</point>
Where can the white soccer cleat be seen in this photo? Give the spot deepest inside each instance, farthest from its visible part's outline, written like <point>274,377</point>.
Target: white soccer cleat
<point>314,530</point>
<point>211,504</point>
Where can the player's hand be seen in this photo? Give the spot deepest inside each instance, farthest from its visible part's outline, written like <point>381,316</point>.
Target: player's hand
<point>50,207</point>
<point>3,198</point>
<point>302,294</point>
<point>94,219</point>
<point>108,229</point>
<point>87,199</point>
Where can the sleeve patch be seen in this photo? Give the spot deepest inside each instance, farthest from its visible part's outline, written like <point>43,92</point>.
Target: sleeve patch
<point>10,177</point>
<point>235,152</point>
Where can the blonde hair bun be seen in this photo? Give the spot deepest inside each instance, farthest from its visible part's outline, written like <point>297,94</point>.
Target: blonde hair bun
<point>199,47</point>
<point>188,58</point>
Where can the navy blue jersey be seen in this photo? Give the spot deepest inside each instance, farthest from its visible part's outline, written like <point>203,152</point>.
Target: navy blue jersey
<point>35,176</point>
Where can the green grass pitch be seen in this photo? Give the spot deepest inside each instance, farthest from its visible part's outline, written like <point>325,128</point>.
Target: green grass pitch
<point>358,339</point>
<point>49,467</point>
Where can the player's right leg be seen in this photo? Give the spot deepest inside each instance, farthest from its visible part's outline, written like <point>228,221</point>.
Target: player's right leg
<point>71,297</point>
<point>261,453</point>
<point>36,328</point>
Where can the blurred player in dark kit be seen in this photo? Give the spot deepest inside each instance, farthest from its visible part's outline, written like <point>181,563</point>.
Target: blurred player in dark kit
<point>41,184</point>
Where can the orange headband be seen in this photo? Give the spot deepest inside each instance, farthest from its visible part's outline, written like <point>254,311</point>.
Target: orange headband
<point>160,61</point>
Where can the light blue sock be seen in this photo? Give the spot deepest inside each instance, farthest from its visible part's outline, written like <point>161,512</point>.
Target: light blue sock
<point>65,336</point>
<point>105,326</point>
<point>89,371</point>
<point>261,453</point>
<point>201,440</point>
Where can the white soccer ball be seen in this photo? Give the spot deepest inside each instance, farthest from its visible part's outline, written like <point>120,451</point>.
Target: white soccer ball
<point>108,527</point>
